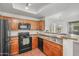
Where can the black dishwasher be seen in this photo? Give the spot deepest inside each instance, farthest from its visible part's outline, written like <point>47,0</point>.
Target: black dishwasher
<point>40,43</point>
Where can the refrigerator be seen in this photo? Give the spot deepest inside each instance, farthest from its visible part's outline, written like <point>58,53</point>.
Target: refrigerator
<point>4,39</point>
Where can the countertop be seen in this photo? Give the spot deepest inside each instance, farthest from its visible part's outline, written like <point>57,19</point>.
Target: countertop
<point>44,34</point>
<point>60,36</point>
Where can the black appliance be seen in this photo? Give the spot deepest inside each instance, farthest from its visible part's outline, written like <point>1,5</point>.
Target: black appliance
<point>25,42</point>
<point>40,43</point>
<point>4,44</point>
<point>24,26</point>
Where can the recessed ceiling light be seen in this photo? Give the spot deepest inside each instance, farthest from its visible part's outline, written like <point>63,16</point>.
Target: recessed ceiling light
<point>26,8</point>
<point>29,4</point>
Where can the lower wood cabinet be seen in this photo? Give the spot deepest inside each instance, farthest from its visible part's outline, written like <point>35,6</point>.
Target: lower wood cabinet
<point>52,49</point>
<point>14,47</point>
<point>49,48</point>
<point>34,42</point>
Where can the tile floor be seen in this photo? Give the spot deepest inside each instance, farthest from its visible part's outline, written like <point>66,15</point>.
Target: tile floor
<point>34,52</point>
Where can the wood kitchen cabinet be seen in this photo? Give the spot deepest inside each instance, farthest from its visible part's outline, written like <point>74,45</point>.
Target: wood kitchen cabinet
<point>33,23</point>
<point>13,24</point>
<point>52,49</point>
<point>14,47</point>
<point>38,25</point>
<point>41,25</point>
<point>34,42</point>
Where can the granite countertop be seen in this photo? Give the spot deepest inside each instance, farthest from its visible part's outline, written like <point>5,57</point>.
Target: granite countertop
<point>46,34</point>
<point>52,39</point>
<point>60,36</point>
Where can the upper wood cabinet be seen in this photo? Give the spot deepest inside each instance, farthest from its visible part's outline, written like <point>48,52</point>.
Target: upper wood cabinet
<point>41,25</point>
<point>35,25</point>
<point>14,47</point>
<point>52,49</point>
<point>31,22</point>
<point>13,24</point>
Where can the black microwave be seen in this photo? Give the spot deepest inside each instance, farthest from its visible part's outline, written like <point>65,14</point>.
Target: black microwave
<point>25,26</point>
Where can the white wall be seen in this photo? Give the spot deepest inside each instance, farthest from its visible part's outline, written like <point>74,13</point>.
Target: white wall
<point>63,17</point>
<point>58,22</point>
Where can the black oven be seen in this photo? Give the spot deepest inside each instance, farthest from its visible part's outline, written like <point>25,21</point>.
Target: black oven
<point>25,42</point>
<point>24,26</point>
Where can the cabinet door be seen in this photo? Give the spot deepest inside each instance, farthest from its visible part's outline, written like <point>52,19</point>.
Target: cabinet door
<point>13,24</point>
<point>34,42</point>
<point>47,49</point>
<point>56,49</point>
<point>52,49</point>
<point>34,25</point>
<point>41,25</point>
<point>14,47</point>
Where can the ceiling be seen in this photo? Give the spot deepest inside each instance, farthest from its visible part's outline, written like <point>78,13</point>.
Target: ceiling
<point>19,9</point>
<point>33,8</point>
<point>36,10</point>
